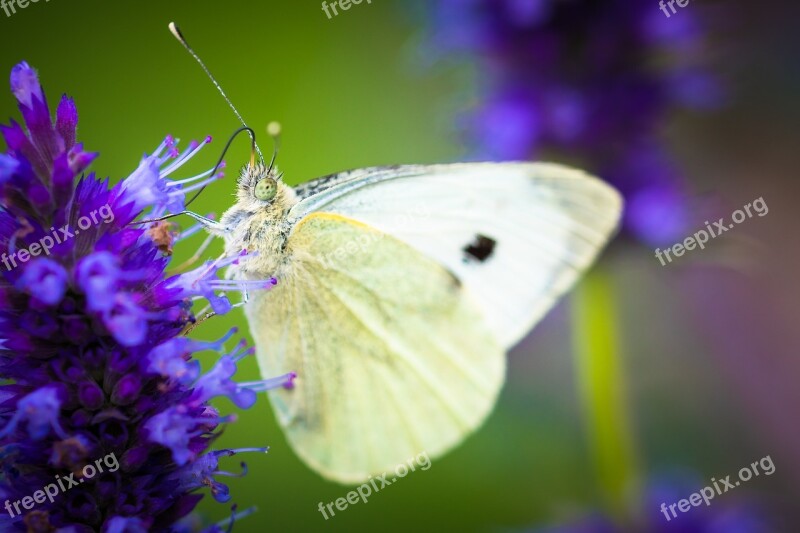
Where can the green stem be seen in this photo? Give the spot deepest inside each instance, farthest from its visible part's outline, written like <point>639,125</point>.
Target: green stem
<point>601,382</point>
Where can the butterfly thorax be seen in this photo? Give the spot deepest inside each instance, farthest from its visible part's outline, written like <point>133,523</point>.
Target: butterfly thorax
<point>258,227</point>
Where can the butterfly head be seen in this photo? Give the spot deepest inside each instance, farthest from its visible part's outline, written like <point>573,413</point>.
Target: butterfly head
<point>260,189</point>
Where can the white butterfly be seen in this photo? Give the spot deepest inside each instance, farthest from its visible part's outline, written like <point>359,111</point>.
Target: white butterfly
<point>399,291</point>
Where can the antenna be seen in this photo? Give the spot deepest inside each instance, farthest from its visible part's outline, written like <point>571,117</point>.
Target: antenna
<point>178,35</point>
<point>222,157</point>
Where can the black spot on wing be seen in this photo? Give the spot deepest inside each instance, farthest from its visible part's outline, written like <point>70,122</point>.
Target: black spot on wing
<point>480,249</point>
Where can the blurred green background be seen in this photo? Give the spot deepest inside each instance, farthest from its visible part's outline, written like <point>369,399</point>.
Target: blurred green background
<point>350,92</point>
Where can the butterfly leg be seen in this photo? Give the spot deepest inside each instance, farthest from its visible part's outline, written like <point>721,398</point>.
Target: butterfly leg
<point>199,321</point>
<point>230,274</point>
<point>212,226</point>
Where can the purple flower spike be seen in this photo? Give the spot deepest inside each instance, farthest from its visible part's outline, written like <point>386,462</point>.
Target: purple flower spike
<point>25,85</point>
<point>97,276</point>
<point>67,121</point>
<point>93,360</point>
<point>41,410</point>
<point>218,382</point>
<point>44,280</point>
<point>175,428</point>
<point>120,524</point>
<point>202,472</point>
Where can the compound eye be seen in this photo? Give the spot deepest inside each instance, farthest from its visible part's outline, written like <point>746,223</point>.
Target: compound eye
<point>265,189</point>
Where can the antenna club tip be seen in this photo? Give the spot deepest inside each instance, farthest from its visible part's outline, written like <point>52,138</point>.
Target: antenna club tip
<point>175,30</point>
<point>274,129</point>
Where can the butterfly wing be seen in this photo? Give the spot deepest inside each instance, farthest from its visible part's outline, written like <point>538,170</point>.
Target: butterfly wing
<point>517,235</point>
<point>392,355</point>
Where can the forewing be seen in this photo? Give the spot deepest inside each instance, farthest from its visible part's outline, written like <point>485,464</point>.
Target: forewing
<point>517,235</point>
<point>391,354</point>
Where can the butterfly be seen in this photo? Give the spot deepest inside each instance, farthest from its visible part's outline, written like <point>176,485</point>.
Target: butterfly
<point>399,291</point>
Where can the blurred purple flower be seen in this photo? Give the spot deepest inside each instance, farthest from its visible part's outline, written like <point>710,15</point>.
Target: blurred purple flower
<point>730,513</point>
<point>591,82</point>
<point>731,516</point>
<point>92,354</point>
